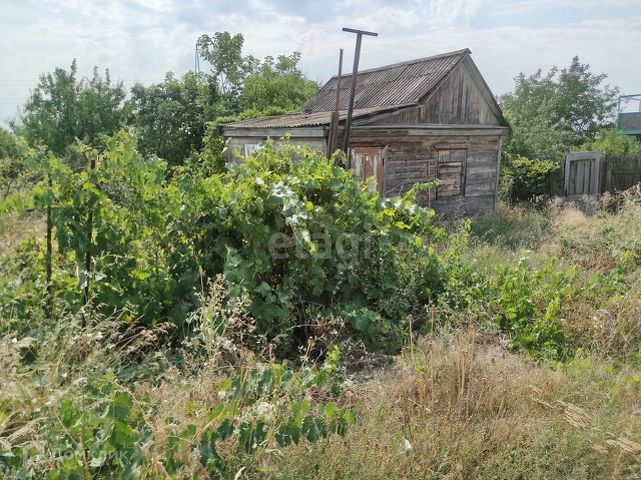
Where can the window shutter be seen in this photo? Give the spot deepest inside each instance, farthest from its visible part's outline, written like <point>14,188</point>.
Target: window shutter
<point>451,172</point>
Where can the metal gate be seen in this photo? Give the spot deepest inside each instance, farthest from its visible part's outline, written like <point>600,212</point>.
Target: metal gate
<point>582,171</point>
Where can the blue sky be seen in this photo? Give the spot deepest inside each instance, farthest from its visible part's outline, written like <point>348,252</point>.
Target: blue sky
<point>140,40</point>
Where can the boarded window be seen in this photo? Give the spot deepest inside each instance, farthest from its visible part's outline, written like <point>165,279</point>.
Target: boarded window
<point>451,172</point>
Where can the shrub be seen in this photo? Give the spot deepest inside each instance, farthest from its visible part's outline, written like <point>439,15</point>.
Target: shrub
<point>612,143</point>
<point>522,303</point>
<point>299,236</point>
<point>523,179</point>
<point>292,230</point>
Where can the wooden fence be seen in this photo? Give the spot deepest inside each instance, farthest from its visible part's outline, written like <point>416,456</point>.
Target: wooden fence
<point>615,173</point>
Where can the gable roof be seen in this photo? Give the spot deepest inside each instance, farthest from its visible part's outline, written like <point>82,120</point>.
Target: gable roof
<point>391,85</point>
<point>378,91</point>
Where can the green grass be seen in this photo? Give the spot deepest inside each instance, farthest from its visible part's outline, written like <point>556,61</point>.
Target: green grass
<point>459,402</point>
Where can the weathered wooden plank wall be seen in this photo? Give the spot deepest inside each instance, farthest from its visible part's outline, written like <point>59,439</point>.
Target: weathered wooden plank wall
<point>410,161</point>
<point>459,101</point>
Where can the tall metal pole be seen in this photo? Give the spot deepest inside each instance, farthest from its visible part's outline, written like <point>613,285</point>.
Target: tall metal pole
<point>333,133</point>
<point>350,108</point>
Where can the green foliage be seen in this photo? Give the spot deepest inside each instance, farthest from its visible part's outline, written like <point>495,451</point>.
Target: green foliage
<point>103,428</point>
<point>170,117</point>
<point>527,306</point>
<point>116,212</point>
<point>306,232</point>
<point>224,53</point>
<point>8,144</point>
<point>612,143</point>
<point>62,109</point>
<point>13,163</point>
<point>250,85</point>
<point>277,84</point>
<point>524,180</point>
<point>522,303</point>
<point>550,113</point>
<point>288,228</point>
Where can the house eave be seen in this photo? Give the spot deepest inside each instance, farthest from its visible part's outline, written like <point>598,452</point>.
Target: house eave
<point>428,129</point>
<point>293,132</point>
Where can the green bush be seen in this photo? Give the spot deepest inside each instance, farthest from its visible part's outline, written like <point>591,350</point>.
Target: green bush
<point>522,303</point>
<point>612,143</point>
<point>301,237</point>
<point>523,180</point>
<point>296,232</point>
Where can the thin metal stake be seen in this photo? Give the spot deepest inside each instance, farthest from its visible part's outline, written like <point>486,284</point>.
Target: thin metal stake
<point>92,167</point>
<point>49,257</point>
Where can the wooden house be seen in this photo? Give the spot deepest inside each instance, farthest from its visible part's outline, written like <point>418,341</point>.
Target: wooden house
<point>413,121</point>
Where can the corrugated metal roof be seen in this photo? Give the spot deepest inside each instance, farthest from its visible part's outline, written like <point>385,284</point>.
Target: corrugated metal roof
<point>377,90</point>
<point>398,84</point>
<point>305,119</point>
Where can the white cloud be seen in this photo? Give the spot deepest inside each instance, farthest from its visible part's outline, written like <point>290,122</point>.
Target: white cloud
<point>446,12</point>
<point>143,39</point>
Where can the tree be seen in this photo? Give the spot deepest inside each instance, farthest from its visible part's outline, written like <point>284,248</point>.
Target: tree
<point>229,66</point>
<point>170,117</point>
<point>8,143</point>
<point>614,143</point>
<point>62,109</point>
<point>551,113</point>
<point>277,85</point>
<point>246,83</point>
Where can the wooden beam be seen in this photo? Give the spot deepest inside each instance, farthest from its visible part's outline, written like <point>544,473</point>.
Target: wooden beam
<point>427,130</point>
<point>295,132</point>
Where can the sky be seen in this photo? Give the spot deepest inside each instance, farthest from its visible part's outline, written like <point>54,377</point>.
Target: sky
<point>141,40</point>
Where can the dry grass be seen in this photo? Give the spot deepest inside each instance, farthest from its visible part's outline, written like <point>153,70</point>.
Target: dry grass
<point>464,408</point>
<point>16,228</point>
<point>455,406</point>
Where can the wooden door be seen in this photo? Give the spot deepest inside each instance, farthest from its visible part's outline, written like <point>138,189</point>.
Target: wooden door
<point>369,162</point>
<point>582,174</point>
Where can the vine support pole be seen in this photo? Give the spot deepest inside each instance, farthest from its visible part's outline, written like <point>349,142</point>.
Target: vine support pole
<point>49,256</point>
<point>92,166</point>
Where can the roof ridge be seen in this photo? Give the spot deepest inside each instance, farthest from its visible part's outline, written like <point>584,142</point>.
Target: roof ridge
<point>409,62</point>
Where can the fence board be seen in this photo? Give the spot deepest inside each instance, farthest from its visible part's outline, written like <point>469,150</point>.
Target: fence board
<point>616,173</point>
